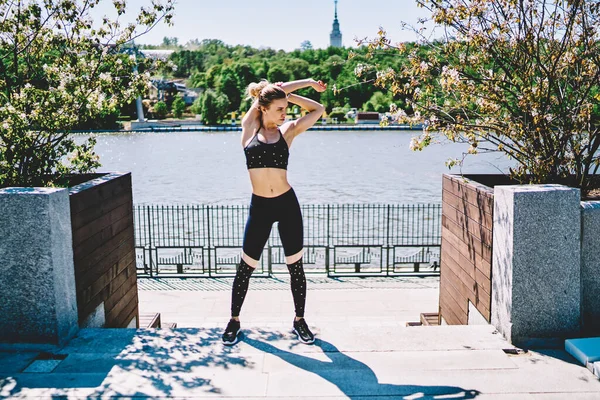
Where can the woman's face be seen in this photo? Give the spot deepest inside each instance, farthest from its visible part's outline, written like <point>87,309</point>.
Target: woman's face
<point>276,112</point>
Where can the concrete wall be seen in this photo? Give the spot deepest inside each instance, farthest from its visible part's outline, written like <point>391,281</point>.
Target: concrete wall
<point>590,267</point>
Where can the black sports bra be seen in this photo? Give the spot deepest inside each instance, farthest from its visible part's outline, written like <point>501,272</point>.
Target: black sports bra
<point>267,155</point>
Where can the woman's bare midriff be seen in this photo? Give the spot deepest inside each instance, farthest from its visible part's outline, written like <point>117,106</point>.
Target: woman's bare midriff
<point>269,182</point>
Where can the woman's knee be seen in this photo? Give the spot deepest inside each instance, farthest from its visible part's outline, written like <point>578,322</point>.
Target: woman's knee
<point>252,263</point>
<point>294,257</point>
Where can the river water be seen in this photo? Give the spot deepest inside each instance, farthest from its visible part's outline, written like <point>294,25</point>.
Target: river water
<point>325,167</point>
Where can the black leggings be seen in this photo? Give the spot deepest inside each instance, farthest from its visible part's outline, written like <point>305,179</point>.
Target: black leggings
<point>264,211</point>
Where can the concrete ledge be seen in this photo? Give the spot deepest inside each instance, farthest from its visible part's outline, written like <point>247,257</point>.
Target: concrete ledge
<point>37,265</point>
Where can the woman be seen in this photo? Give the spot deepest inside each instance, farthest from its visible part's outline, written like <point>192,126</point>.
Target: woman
<point>266,139</point>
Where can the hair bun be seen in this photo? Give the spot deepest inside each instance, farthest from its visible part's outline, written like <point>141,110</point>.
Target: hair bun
<point>254,89</point>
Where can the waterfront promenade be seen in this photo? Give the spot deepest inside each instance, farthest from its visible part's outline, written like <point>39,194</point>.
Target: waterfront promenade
<point>364,350</point>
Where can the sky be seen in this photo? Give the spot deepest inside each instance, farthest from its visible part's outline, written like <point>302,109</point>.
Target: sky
<point>279,24</point>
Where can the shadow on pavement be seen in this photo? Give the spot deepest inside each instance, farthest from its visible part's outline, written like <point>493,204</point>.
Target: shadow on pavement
<point>352,377</point>
<point>145,363</point>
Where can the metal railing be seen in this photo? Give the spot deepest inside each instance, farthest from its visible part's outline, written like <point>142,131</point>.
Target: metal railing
<point>339,240</point>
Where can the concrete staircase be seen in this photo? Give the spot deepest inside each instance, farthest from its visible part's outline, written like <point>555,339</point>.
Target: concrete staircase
<point>347,361</point>
<point>364,350</point>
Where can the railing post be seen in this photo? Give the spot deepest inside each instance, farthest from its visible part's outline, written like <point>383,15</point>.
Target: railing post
<point>327,253</point>
<point>149,240</point>
<point>208,239</point>
<point>387,243</point>
<point>269,260</point>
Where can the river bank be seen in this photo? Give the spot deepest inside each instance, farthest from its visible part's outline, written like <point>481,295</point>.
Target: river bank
<point>173,126</point>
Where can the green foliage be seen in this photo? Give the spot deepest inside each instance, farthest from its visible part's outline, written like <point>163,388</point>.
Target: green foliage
<point>214,65</point>
<point>188,63</point>
<point>339,113</point>
<point>160,110</point>
<point>57,73</point>
<point>196,107</point>
<point>306,45</point>
<point>214,107</point>
<point>516,77</point>
<point>279,73</point>
<point>229,86</point>
<point>379,102</point>
<point>178,107</point>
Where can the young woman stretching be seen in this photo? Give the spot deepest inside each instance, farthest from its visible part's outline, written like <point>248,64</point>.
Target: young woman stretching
<point>266,139</point>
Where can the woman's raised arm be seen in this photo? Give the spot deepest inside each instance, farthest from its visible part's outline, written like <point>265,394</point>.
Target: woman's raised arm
<point>289,87</point>
<point>315,112</point>
<point>250,122</point>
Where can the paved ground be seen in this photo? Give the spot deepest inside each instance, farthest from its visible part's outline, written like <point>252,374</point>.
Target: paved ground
<point>364,351</point>
<point>269,303</point>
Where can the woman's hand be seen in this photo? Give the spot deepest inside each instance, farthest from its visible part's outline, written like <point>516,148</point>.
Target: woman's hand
<point>319,86</point>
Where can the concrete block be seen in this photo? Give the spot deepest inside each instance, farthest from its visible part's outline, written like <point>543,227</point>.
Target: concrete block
<point>585,350</point>
<point>42,366</point>
<point>590,267</point>
<point>38,304</point>
<point>536,288</point>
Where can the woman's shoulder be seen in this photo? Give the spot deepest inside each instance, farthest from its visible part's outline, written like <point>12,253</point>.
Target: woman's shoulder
<point>286,127</point>
<point>248,132</point>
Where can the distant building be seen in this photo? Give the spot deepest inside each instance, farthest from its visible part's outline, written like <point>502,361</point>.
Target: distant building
<point>167,91</point>
<point>367,118</point>
<point>157,54</point>
<point>335,39</point>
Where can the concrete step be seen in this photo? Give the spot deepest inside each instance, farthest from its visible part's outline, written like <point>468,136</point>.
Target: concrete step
<point>149,320</point>
<point>430,319</point>
<point>347,361</point>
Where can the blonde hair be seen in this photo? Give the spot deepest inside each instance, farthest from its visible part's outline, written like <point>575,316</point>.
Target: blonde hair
<point>265,92</point>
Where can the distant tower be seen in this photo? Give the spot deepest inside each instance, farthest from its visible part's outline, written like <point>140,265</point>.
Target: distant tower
<point>335,39</point>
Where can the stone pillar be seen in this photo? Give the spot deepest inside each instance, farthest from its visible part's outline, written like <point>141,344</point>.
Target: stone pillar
<point>38,298</point>
<point>590,267</point>
<point>536,263</point>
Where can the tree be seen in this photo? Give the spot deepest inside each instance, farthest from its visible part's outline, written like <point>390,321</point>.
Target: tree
<point>335,66</point>
<point>178,107</point>
<point>338,113</point>
<point>160,110</point>
<point>298,68</point>
<point>278,73</point>
<point>229,86</point>
<point>520,77</point>
<point>58,70</point>
<point>379,102</point>
<point>212,76</point>
<point>169,42</point>
<point>245,74</point>
<point>213,107</point>
<point>306,45</point>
